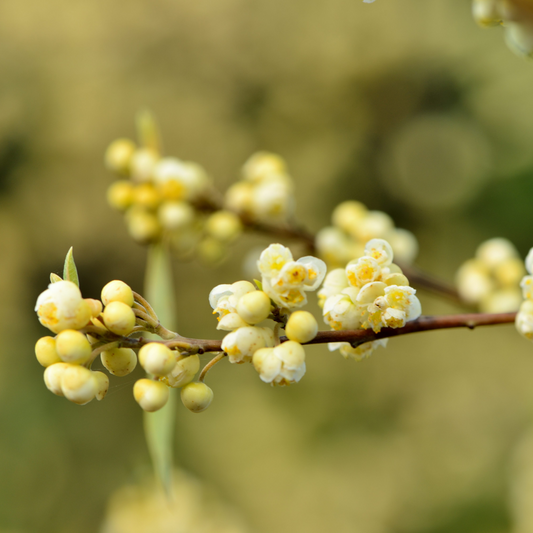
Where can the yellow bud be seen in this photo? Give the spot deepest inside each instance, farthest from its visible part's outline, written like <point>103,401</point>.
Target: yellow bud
<point>102,384</point>
<point>211,251</point>
<point>224,226</point>
<point>117,291</point>
<point>157,359</point>
<point>95,306</point>
<point>197,397</point>
<point>150,395</point>
<point>79,384</point>
<point>301,327</point>
<point>120,195</point>
<point>146,195</point>
<point>184,371</point>
<point>143,226</point>
<point>118,155</point>
<point>254,307</point>
<point>45,351</point>
<point>119,361</point>
<point>73,347</point>
<point>119,318</point>
<point>52,377</point>
<point>348,214</point>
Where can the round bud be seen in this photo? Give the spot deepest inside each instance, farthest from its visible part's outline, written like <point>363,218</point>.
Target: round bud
<point>184,371</point>
<point>150,395</point>
<point>176,215</point>
<point>224,226</point>
<point>157,359</point>
<point>143,226</point>
<point>73,347</point>
<point>197,397</point>
<point>142,164</point>
<point>348,214</point>
<point>102,384</point>
<point>119,318</point>
<point>211,251</point>
<point>119,361</point>
<point>118,155</point>
<point>301,327</point>
<point>52,377</point>
<point>95,306</point>
<point>117,291</point>
<point>45,350</point>
<point>254,307</point>
<point>146,195</point>
<point>120,195</point>
<point>78,384</point>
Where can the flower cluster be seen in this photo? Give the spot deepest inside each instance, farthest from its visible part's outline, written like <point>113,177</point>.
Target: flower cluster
<point>491,279</point>
<point>516,16</point>
<point>353,226</point>
<point>265,194</point>
<point>524,317</point>
<point>241,307</point>
<point>87,328</point>
<point>162,198</point>
<point>370,293</point>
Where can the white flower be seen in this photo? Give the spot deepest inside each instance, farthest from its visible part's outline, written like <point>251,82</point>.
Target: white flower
<point>529,261</point>
<point>62,307</point>
<point>379,250</point>
<point>224,300</point>
<point>362,271</point>
<point>183,179</point>
<point>241,344</point>
<point>524,320</point>
<point>361,352</point>
<point>282,365</point>
<point>334,283</point>
<point>286,280</point>
<point>341,313</point>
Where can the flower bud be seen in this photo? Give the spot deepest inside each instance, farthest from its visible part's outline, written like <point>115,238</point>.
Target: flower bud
<point>157,359</point>
<point>150,395</point>
<point>119,361</point>
<point>118,155</point>
<point>78,384</point>
<point>117,291</point>
<point>73,347</point>
<point>143,225</point>
<point>176,215</point>
<point>52,377</point>
<point>95,306</point>
<point>196,397</point>
<point>301,327</point>
<point>254,307</point>
<point>224,226</point>
<point>62,307</point>
<point>120,195</point>
<point>102,384</point>
<point>348,214</point>
<point>142,164</point>
<point>45,351</point>
<point>119,318</point>
<point>146,195</point>
<point>184,371</point>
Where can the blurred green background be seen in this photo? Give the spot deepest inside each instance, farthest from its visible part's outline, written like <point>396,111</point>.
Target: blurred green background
<point>406,106</point>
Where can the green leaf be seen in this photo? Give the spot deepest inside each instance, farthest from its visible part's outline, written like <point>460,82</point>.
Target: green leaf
<point>54,278</point>
<point>258,284</point>
<point>70,272</point>
<point>159,427</point>
<point>147,131</point>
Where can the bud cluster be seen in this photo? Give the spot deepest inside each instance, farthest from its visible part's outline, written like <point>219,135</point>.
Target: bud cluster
<point>161,198</point>
<point>524,317</point>
<point>370,293</point>
<point>87,328</point>
<point>516,16</point>
<point>265,194</point>
<point>241,307</point>
<point>491,279</point>
<point>353,226</point>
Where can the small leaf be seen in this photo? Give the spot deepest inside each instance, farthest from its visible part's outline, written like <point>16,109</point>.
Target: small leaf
<point>54,278</point>
<point>147,131</point>
<point>70,272</point>
<point>258,284</point>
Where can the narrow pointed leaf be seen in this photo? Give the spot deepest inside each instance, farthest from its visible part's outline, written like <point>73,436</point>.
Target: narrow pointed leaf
<point>147,131</point>
<point>70,272</point>
<point>54,278</point>
<point>160,426</point>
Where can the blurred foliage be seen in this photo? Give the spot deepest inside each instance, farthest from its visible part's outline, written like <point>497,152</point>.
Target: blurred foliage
<point>418,439</point>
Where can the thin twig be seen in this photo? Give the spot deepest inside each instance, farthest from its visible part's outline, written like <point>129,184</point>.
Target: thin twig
<point>210,365</point>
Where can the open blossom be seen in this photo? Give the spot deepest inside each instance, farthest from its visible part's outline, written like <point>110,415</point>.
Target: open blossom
<point>282,365</point>
<point>62,307</point>
<point>224,300</point>
<point>361,352</point>
<point>286,281</point>
<point>241,344</point>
